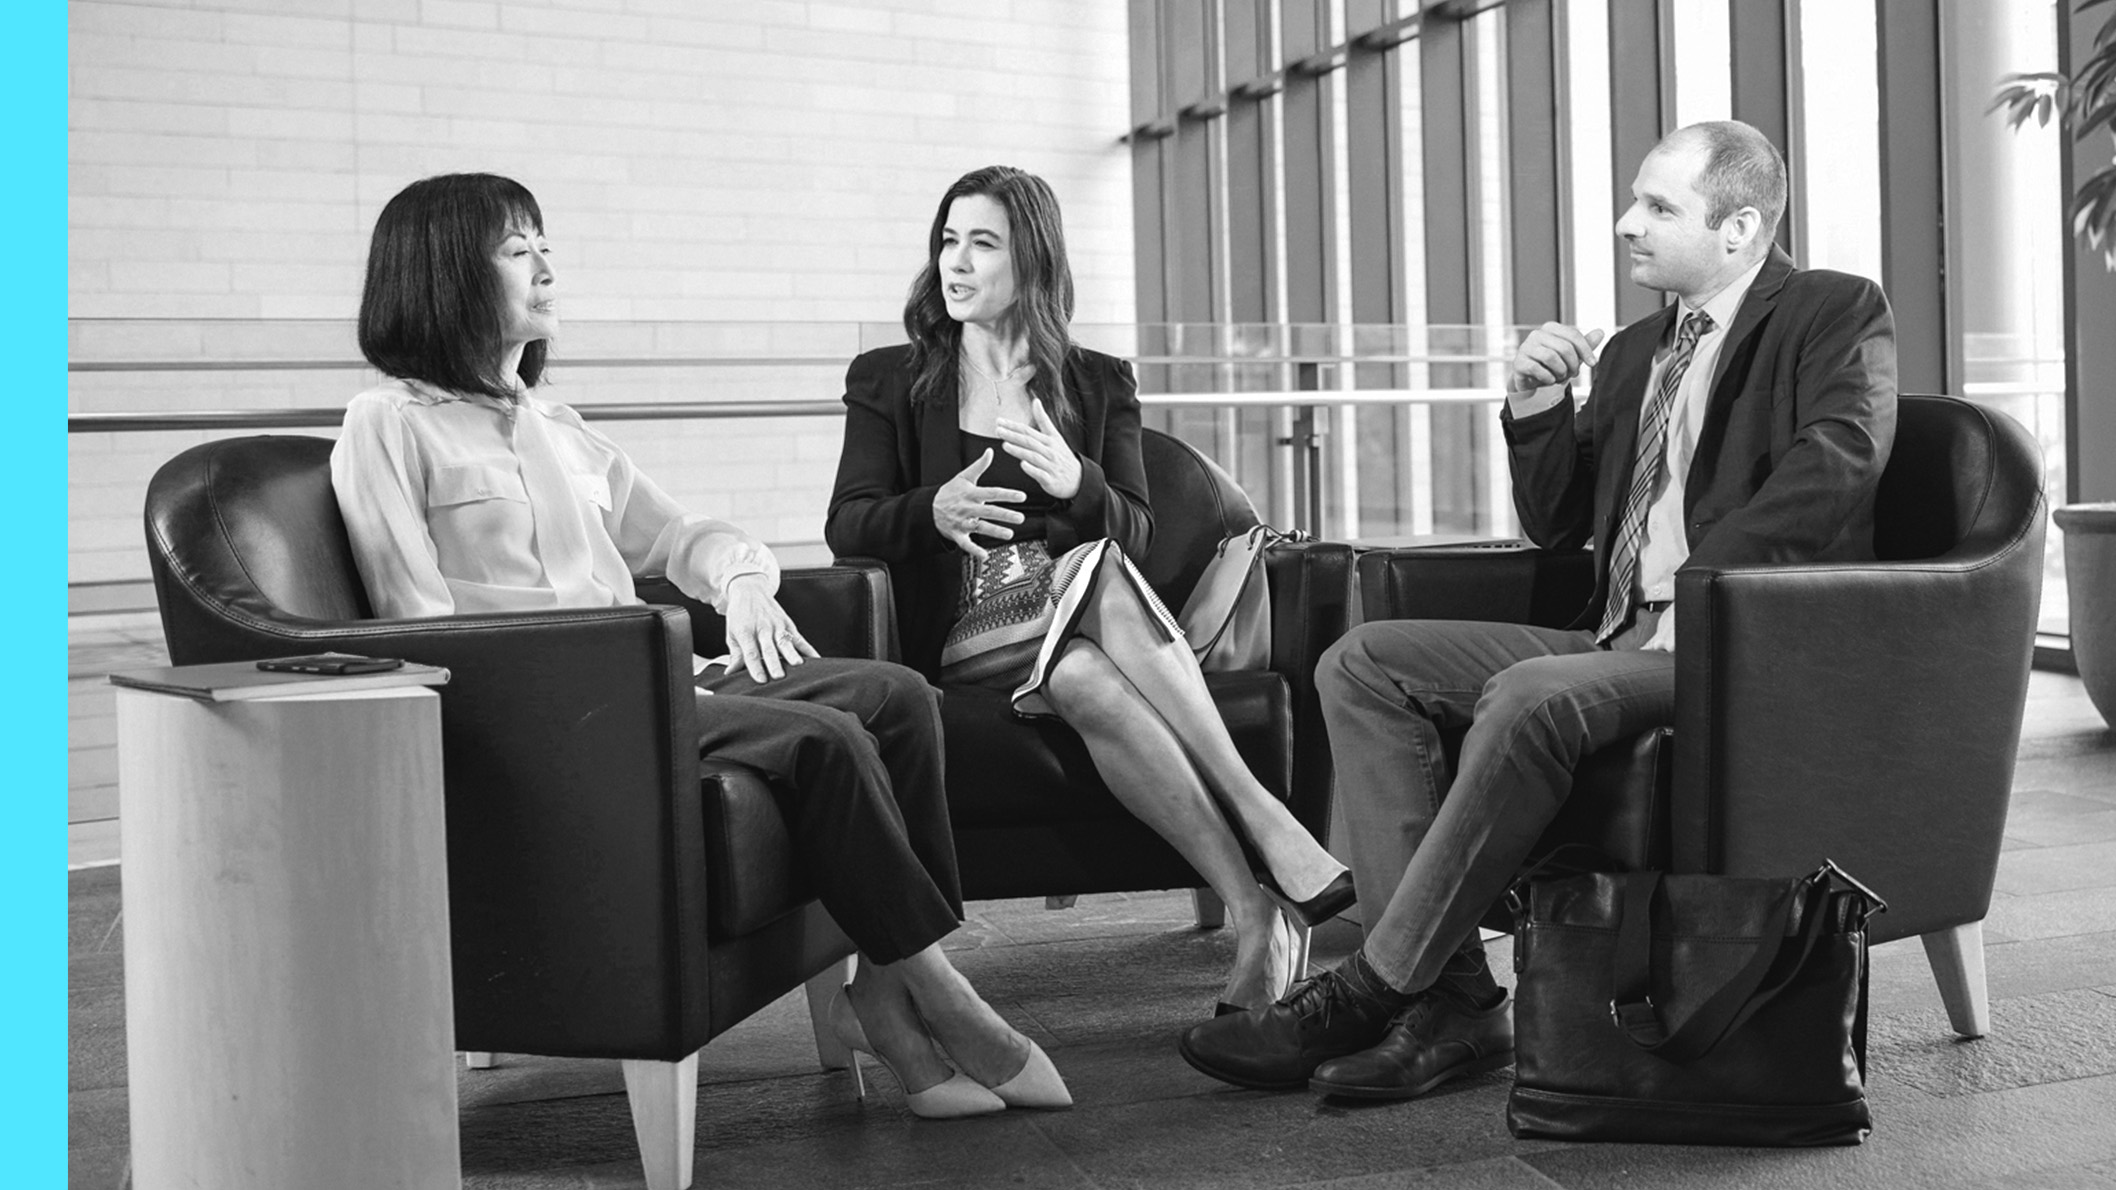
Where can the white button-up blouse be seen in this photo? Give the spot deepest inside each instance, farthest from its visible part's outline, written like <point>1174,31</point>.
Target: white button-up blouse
<point>463,503</point>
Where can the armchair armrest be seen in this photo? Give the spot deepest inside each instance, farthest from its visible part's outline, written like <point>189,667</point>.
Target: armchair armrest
<point>845,609</point>
<point>1507,581</point>
<point>1865,712</point>
<point>577,882</point>
<point>1313,602</point>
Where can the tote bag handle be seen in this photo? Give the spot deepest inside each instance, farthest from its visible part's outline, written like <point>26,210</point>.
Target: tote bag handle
<point>1631,1002</point>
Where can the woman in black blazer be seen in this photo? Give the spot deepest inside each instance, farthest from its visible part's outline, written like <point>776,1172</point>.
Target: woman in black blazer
<point>991,462</point>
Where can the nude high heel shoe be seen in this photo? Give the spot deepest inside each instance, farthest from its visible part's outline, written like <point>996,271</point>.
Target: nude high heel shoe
<point>1288,973</point>
<point>1036,1085</point>
<point>958,1097</point>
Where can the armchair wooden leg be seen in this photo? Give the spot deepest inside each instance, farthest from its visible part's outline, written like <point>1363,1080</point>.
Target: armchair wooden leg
<point>1212,911</point>
<point>664,1098</point>
<point>477,1059</point>
<point>1957,958</point>
<point>822,989</point>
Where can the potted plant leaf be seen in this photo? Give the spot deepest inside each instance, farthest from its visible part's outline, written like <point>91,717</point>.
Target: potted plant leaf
<point>2084,104</point>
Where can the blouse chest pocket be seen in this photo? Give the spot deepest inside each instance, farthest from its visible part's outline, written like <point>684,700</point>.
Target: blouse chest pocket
<point>467,483</point>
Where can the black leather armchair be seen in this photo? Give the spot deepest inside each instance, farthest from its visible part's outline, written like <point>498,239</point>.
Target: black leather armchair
<point>609,894</point>
<point>1867,712</point>
<point>1031,814</point>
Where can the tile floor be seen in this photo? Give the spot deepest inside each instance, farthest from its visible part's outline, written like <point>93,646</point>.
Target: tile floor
<point>1106,986</point>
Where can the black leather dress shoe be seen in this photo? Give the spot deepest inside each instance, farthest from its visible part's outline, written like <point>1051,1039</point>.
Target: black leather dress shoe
<point>1433,1040</point>
<point>1278,1048</point>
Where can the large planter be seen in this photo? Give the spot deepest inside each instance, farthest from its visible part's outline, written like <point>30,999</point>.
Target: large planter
<point>2090,575</point>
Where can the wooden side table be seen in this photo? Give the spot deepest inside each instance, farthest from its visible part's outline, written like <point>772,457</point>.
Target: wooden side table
<point>288,1013</point>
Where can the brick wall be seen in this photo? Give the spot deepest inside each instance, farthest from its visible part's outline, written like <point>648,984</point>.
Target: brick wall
<point>722,161</point>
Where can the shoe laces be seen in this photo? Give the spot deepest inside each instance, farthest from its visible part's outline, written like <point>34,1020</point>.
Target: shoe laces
<point>1414,1015</point>
<point>1319,995</point>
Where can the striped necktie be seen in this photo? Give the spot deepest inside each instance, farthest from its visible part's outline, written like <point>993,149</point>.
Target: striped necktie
<point>1645,477</point>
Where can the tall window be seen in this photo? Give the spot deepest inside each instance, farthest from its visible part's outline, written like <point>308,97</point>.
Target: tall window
<point>1375,197</point>
<point>2005,238</point>
<point>1836,164</point>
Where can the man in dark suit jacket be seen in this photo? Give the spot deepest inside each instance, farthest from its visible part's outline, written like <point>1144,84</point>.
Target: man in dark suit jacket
<point>1746,423</point>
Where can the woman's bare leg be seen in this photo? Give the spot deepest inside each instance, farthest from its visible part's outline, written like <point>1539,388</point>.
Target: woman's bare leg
<point>1144,765</point>
<point>1166,675</point>
<point>883,1003</point>
<point>924,992</point>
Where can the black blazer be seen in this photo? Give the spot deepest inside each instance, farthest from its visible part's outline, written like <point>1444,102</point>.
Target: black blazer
<point>1795,433</point>
<point>897,455</point>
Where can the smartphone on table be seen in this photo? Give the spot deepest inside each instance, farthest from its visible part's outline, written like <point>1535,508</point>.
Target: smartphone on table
<point>330,663</point>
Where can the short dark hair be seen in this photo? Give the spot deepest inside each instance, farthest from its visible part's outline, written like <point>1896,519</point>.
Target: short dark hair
<point>430,309</point>
<point>1043,289</point>
<point>1742,169</point>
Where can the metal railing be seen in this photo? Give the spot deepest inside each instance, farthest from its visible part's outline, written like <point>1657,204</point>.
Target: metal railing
<point>1303,439</point>
<point>280,419</point>
<point>1301,371</point>
<point>1310,376</point>
<point>291,418</point>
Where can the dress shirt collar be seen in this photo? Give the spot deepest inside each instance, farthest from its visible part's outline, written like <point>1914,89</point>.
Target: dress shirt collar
<point>1723,305</point>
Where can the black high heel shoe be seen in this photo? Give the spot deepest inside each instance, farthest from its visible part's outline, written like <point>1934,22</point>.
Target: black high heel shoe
<point>1335,898</point>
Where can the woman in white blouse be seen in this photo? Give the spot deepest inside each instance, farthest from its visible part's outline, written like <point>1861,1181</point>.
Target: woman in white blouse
<point>464,491</point>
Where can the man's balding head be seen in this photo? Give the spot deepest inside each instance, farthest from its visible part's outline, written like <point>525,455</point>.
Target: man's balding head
<point>1741,168</point>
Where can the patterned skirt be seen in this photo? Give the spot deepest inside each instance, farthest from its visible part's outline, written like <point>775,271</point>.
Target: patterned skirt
<point>1020,607</point>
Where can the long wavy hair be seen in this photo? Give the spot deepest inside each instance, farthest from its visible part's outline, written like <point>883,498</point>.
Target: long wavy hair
<point>1043,291</point>
<point>430,309</point>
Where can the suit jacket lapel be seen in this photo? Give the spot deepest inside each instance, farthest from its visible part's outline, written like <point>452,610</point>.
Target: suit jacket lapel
<point>1077,382</point>
<point>1756,307</point>
<point>1758,302</point>
<point>939,439</point>
<point>1627,379</point>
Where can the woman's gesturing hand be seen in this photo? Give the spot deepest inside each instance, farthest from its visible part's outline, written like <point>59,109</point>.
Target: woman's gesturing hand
<point>962,508</point>
<point>1043,452</point>
<point>759,632</point>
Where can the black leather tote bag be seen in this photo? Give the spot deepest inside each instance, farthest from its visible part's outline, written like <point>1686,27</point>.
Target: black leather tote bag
<point>1691,1009</point>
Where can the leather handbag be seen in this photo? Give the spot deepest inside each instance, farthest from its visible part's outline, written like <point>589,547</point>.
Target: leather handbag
<point>1227,618</point>
<point>1691,1009</point>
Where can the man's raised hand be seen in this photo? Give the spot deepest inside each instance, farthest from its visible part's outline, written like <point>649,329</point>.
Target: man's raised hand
<point>1551,354</point>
